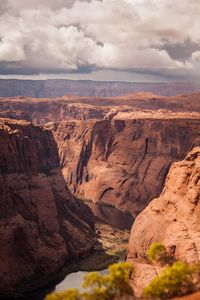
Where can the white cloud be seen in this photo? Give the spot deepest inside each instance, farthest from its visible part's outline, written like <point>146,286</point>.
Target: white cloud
<point>120,34</point>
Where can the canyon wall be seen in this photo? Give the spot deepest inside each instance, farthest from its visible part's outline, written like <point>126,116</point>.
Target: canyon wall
<point>115,150</point>
<point>60,87</point>
<point>41,224</point>
<point>172,219</point>
<point>140,105</point>
<point>122,162</point>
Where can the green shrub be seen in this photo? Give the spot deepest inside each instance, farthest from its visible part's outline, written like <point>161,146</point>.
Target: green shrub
<point>115,284</point>
<point>175,280</point>
<point>157,253</point>
<point>119,279</point>
<point>101,287</point>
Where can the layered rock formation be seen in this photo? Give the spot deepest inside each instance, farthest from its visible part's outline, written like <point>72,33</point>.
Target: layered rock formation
<point>120,150</point>
<point>172,219</point>
<point>60,87</point>
<point>122,162</point>
<point>139,105</point>
<point>41,224</point>
<point>44,110</point>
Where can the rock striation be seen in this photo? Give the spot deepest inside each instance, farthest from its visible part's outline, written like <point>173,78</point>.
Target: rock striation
<point>122,162</point>
<point>41,224</point>
<point>173,219</point>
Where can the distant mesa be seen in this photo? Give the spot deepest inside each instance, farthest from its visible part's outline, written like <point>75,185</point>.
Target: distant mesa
<point>60,87</point>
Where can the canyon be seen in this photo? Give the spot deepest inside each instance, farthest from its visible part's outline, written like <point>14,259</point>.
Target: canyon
<point>57,154</point>
<point>115,150</point>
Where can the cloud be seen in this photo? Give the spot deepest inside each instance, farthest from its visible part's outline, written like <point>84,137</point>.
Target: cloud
<point>160,37</point>
<point>18,5</point>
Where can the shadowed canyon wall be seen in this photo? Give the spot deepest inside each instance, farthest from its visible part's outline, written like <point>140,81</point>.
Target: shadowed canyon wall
<point>41,224</point>
<point>122,162</point>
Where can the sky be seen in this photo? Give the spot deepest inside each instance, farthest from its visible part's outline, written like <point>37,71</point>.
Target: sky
<point>125,40</point>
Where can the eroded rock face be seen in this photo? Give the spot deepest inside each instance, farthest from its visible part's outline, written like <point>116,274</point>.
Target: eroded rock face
<point>41,224</point>
<point>45,110</point>
<point>123,162</point>
<point>172,219</point>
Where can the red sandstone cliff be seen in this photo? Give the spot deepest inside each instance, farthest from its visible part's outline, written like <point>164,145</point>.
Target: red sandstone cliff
<point>140,105</point>
<point>45,110</point>
<point>123,158</point>
<point>41,224</point>
<point>173,219</point>
<point>122,162</point>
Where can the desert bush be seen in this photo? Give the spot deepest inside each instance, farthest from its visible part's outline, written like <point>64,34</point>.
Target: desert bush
<point>158,253</point>
<point>101,287</point>
<point>119,279</point>
<point>175,280</point>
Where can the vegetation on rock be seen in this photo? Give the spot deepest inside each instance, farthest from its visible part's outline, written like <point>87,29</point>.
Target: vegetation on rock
<point>101,287</point>
<point>157,253</point>
<point>175,280</point>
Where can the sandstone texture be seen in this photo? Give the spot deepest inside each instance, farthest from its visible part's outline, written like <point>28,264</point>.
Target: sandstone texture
<point>122,162</point>
<point>41,224</point>
<point>172,219</point>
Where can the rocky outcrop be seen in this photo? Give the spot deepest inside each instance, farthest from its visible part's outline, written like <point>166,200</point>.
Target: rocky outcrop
<point>122,162</point>
<point>41,224</point>
<point>44,110</point>
<point>172,219</point>
<point>130,107</point>
<point>60,87</point>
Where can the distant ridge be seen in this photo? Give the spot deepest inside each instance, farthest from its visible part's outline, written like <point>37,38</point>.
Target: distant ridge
<point>60,87</point>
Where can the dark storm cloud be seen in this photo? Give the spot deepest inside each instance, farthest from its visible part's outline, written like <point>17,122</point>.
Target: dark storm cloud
<point>155,37</point>
<point>181,51</point>
<point>3,6</point>
<point>17,68</point>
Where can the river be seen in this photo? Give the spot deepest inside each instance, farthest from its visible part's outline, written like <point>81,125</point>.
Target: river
<point>107,214</point>
<point>74,280</point>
